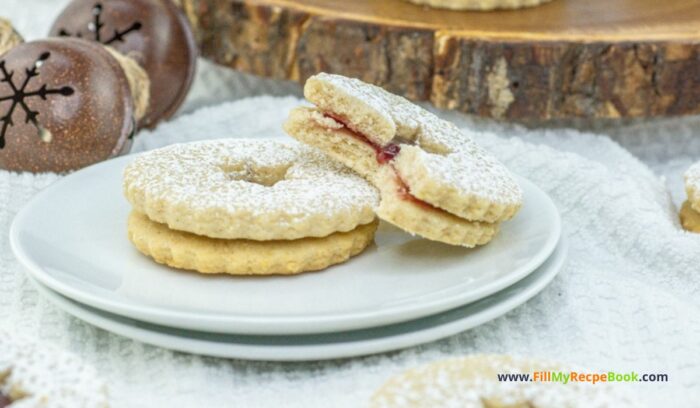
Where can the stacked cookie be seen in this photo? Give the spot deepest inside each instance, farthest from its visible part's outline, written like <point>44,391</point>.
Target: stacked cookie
<point>434,181</point>
<point>690,210</point>
<point>247,207</point>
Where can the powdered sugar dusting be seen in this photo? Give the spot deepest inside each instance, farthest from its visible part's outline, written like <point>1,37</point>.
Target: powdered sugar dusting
<point>253,176</point>
<point>474,171</point>
<point>448,154</point>
<point>472,382</point>
<point>35,375</point>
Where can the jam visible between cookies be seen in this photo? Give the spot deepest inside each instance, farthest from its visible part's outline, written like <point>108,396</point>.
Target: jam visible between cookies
<point>385,154</point>
<point>405,193</point>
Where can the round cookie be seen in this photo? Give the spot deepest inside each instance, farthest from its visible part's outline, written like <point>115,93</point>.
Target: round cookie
<point>472,382</point>
<point>435,181</point>
<point>153,32</point>
<point>183,250</point>
<point>248,189</point>
<point>34,375</point>
<point>483,5</point>
<point>64,104</point>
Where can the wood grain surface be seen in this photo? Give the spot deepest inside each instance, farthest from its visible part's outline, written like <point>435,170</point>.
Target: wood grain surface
<point>567,58</point>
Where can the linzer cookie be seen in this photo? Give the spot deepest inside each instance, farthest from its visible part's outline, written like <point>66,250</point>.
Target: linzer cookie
<point>473,382</point>
<point>248,189</point>
<point>479,4</point>
<point>155,33</point>
<point>34,375</point>
<point>243,206</point>
<point>690,211</point>
<point>64,104</point>
<point>434,180</point>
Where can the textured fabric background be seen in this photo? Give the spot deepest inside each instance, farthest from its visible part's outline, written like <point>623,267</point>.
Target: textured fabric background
<point>626,300</point>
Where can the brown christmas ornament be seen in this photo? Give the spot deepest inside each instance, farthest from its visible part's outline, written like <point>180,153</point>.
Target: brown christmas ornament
<point>64,104</point>
<point>153,32</point>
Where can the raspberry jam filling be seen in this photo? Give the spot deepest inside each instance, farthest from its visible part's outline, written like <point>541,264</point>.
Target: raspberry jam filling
<point>405,194</point>
<point>385,154</point>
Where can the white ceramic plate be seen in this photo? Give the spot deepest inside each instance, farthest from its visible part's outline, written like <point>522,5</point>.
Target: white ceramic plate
<point>322,346</point>
<point>72,238</point>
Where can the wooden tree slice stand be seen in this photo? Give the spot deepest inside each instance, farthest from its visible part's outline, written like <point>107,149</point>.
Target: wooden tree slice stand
<point>564,59</point>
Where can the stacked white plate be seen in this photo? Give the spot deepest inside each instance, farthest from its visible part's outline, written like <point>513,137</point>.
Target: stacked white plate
<point>402,291</point>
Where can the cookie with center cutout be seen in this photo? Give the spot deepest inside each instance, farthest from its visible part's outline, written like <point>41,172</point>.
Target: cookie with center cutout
<point>472,382</point>
<point>434,180</point>
<point>247,207</point>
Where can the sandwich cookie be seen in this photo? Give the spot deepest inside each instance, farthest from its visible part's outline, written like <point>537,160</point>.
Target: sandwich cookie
<point>433,179</point>
<point>243,206</point>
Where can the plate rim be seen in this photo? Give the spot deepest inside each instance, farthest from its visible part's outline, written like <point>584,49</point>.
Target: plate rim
<point>249,324</point>
<point>139,331</point>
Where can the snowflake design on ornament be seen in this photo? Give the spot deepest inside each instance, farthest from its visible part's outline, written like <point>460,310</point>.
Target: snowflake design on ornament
<point>20,95</point>
<point>96,25</point>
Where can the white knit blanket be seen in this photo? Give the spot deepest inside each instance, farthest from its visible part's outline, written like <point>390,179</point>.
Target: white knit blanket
<point>626,300</point>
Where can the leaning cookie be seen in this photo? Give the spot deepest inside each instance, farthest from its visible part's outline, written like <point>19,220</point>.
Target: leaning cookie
<point>434,180</point>
<point>483,5</point>
<point>39,375</point>
<point>472,382</point>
